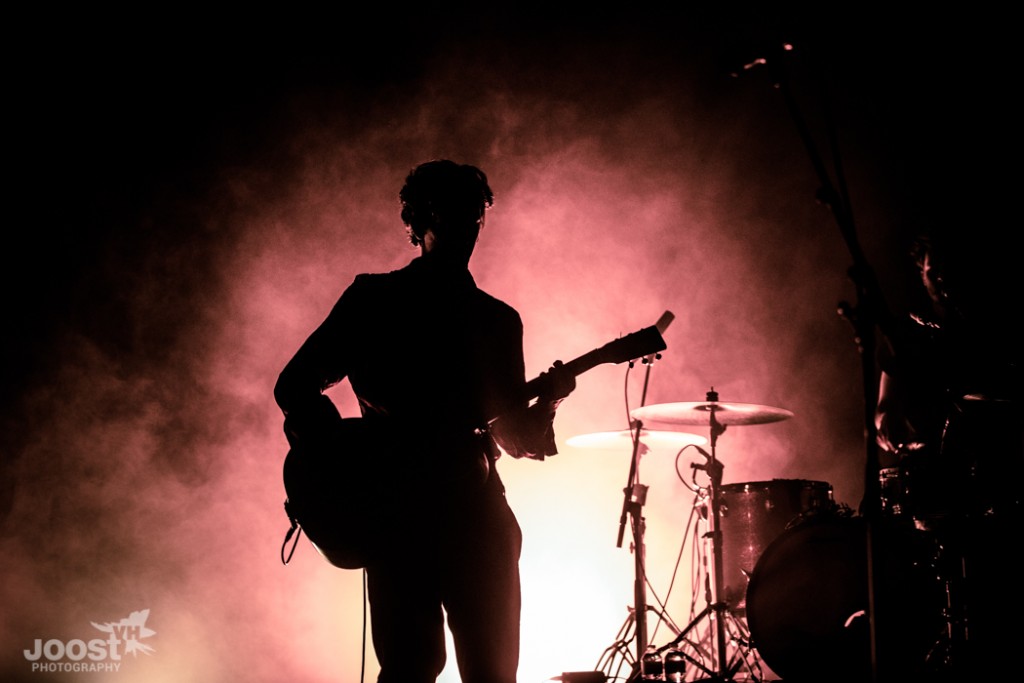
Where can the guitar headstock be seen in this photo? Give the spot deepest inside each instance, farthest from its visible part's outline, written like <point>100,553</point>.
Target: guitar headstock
<point>644,342</point>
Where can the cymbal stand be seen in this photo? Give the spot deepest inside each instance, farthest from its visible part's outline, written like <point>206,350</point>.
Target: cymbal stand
<point>716,608</point>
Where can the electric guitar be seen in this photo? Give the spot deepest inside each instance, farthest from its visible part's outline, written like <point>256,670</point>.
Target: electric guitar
<point>342,496</point>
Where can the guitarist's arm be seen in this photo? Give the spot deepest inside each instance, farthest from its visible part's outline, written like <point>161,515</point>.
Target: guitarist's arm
<point>311,418</point>
<point>528,432</point>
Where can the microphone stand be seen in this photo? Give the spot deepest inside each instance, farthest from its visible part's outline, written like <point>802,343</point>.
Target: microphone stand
<point>635,496</point>
<point>867,315</point>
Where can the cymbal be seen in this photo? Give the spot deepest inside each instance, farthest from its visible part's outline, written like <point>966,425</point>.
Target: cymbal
<point>986,398</point>
<point>699,413</point>
<point>623,440</point>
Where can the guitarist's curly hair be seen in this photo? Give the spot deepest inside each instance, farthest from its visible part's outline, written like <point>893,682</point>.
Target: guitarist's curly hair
<point>444,196</point>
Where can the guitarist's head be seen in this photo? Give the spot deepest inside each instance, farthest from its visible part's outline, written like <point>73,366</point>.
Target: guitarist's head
<point>443,205</point>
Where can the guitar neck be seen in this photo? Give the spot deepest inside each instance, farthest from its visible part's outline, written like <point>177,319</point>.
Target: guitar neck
<point>641,343</point>
<point>577,366</point>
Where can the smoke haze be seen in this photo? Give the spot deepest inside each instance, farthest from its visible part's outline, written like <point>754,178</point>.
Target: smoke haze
<point>185,220</point>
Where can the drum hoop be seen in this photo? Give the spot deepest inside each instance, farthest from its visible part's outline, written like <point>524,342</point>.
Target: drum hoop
<point>776,483</point>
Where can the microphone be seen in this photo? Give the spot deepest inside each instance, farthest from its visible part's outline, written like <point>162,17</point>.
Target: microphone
<point>697,465</point>
<point>766,55</point>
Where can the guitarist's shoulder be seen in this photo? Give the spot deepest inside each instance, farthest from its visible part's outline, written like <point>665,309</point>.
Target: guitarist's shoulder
<point>398,282</point>
<point>498,308</point>
<point>377,282</point>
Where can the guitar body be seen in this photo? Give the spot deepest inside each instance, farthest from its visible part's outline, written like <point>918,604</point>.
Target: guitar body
<point>349,493</point>
<point>335,492</point>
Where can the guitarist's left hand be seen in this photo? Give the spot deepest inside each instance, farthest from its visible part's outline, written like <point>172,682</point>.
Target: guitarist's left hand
<point>529,433</point>
<point>556,383</point>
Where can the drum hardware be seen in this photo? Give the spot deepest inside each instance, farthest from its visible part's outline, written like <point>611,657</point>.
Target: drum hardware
<point>717,417</point>
<point>976,591</point>
<point>641,441</point>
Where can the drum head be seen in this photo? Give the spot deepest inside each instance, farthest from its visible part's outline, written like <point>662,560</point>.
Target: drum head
<point>808,603</point>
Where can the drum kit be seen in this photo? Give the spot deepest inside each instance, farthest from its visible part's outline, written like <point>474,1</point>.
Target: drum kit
<point>784,587</point>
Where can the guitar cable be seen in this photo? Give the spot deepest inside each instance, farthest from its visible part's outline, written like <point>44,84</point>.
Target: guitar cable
<point>362,665</point>
<point>294,527</point>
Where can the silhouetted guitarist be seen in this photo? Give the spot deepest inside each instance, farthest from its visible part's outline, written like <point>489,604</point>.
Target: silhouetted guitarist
<point>432,360</point>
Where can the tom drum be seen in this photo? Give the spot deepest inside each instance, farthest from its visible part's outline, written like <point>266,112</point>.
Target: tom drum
<point>752,515</point>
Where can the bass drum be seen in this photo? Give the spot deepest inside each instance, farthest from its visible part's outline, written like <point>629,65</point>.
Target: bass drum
<point>808,599</point>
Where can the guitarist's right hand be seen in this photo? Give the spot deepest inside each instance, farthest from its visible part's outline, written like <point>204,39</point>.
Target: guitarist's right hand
<point>313,423</point>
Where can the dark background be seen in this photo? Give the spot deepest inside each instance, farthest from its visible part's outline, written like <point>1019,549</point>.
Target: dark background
<point>190,193</point>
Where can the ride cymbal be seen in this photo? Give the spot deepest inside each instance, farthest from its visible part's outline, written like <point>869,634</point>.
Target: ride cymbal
<point>700,412</point>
